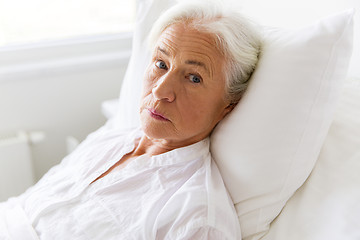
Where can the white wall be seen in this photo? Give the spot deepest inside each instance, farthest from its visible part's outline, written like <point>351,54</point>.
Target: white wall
<point>283,13</point>
<point>59,89</point>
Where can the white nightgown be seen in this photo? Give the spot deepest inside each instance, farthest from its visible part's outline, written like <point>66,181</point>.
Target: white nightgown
<point>176,195</point>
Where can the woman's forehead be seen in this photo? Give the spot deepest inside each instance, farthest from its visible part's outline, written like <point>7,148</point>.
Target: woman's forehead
<point>194,47</point>
<point>183,35</point>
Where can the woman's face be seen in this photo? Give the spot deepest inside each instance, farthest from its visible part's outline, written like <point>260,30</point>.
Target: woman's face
<point>184,86</point>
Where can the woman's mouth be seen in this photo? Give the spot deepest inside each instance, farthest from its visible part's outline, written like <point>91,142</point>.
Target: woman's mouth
<point>157,115</point>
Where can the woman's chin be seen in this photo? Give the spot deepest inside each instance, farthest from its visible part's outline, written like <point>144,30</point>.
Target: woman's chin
<point>155,130</point>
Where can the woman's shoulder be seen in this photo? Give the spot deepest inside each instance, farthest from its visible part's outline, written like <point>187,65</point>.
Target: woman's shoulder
<point>201,205</point>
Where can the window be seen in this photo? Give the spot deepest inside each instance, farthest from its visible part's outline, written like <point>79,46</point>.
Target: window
<point>31,21</point>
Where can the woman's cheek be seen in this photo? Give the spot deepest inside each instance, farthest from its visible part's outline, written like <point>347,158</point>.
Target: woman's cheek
<point>150,77</point>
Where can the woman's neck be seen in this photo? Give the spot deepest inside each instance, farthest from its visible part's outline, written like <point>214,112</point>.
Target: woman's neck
<point>152,147</point>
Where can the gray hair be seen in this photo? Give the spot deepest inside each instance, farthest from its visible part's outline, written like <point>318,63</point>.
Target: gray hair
<point>236,38</point>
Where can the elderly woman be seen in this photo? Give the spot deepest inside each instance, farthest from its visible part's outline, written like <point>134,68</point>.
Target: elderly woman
<point>158,181</point>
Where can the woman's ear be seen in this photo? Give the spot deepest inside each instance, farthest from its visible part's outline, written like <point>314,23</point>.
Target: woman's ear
<point>228,109</point>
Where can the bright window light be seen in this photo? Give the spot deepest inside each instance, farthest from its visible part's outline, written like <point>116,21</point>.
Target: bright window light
<point>28,21</point>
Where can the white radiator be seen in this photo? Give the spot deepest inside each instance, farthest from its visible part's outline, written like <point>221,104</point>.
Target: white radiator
<point>16,167</point>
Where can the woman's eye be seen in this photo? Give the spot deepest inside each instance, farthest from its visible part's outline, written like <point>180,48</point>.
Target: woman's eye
<point>194,78</point>
<point>161,65</point>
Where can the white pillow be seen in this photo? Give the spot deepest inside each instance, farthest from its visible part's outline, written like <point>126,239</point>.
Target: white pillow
<point>268,145</point>
<point>327,205</point>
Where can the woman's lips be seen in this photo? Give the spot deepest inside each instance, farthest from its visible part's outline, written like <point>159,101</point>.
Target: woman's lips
<point>157,115</point>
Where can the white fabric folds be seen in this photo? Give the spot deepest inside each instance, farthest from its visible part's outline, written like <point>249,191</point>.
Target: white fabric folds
<point>15,225</point>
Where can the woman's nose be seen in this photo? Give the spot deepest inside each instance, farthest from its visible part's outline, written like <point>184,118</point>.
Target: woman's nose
<point>164,89</point>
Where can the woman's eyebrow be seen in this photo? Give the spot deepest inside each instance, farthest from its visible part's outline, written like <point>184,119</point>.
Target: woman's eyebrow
<point>197,63</point>
<point>163,51</point>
